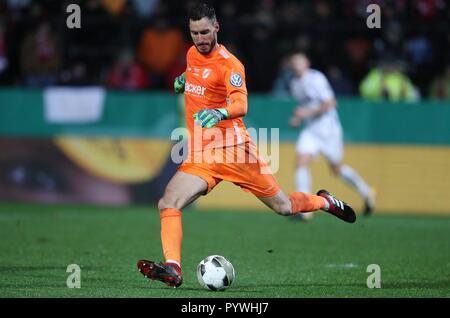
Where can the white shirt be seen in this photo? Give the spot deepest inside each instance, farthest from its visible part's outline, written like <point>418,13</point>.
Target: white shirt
<point>310,91</point>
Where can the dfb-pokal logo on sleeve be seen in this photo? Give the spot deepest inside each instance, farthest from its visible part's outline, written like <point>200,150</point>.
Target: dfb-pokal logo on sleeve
<point>236,79</point>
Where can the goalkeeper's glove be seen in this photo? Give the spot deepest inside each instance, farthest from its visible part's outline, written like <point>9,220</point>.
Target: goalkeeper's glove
<point>210,117</point>
<point>178,84</point>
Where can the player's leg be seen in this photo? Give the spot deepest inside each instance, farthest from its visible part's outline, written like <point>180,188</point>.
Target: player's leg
<point>333,150</point>
<point>332,146</point>
<point>303,180</point>
<point>299,202</point>
<point>293,204</point>
<point>306,150</point>
<point>302,173</point>
<point>182,189</point>
<point>352,178</point>
<point>257,177</point>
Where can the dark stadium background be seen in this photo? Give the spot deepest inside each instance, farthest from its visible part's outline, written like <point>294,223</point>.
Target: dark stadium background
<point>261,33</point>
<point>85,122</point>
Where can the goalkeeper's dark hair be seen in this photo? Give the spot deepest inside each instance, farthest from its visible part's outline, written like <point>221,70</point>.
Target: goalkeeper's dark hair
<point>200,11</point>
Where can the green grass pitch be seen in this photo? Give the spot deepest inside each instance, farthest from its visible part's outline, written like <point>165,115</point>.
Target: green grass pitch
<point>273,256</point>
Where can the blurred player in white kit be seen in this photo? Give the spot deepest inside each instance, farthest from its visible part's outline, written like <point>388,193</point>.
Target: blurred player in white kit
<point>322,131</point>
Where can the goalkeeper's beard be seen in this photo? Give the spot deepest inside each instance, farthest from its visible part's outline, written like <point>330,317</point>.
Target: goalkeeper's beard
<point>212,45</point>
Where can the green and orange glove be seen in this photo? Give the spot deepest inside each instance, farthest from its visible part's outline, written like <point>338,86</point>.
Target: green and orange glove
<point>210,117</point>
<point>178,84</point>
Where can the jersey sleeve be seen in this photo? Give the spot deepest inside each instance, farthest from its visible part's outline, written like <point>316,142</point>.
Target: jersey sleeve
<point>323,88</point>
<point>234,78</point>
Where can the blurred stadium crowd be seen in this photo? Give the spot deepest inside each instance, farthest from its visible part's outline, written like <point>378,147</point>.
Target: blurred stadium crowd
<point>141,44</point>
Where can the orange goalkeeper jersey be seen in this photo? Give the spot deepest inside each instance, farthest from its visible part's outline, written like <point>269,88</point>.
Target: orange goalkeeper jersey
<point>216,80</point>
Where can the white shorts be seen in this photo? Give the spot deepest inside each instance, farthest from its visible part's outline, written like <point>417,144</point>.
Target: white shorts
<point>328,141</point>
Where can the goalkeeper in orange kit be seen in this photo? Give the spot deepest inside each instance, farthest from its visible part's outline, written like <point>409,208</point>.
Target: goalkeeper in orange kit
<point>216,100</point>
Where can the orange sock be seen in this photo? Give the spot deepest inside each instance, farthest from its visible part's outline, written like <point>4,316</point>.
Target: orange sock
<point>171,234</point>
<point>304,202</point>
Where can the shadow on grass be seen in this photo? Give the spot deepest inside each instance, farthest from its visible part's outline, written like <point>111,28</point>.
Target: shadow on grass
<point>35,286</point>
<point>28,268</point>
<point>199,289</point>
<point>441,284</point>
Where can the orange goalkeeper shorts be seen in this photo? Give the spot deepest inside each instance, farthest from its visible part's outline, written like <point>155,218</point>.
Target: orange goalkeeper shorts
<point>239,164</point>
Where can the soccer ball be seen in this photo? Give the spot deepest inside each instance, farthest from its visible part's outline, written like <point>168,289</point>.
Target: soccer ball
<point>215,273</point>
